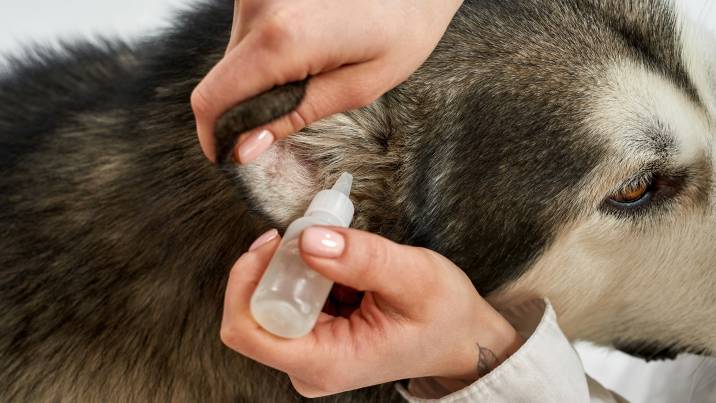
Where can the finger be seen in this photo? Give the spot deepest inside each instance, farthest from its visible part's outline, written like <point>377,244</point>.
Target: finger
<point>242,333</point>
<point>368,262</point>
<point>329,93</point>
<point>238,328</point>
<point>247,70</point>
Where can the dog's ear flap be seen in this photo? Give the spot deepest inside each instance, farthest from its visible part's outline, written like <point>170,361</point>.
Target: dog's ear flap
<point>255,112</point>
<point>281,182</point>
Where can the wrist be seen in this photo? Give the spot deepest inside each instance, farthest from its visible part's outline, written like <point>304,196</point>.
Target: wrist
<point>492,341</point>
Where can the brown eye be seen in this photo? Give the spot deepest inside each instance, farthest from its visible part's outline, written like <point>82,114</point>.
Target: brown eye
<point>645,192</point>
<point>632,192</point>
<point>635,193</point>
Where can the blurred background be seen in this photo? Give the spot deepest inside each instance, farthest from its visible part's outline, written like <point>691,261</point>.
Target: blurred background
<point>46,21</point>
<point>25,24</point>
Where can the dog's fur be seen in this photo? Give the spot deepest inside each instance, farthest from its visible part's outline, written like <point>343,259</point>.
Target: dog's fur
<point>501,153</point>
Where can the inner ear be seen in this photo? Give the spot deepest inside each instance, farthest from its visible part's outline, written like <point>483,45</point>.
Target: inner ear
<point>280,183</point>
<point>283,180</point>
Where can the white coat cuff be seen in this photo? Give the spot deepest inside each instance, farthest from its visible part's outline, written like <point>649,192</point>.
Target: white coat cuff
<point>546,368</point>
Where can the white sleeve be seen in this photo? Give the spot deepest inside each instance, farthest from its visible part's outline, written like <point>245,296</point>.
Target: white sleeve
<point>545,369</point>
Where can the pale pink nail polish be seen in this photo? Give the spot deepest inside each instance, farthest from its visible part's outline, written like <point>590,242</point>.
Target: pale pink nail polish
<point>254,146</point>
<point>263,239</point>
<point>322,242</point>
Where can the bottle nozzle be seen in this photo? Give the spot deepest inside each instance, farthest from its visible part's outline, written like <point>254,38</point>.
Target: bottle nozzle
<point>335,201</point>
<point>343,184</point>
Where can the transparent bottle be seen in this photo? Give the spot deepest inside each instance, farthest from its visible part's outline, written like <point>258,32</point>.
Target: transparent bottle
<point>290,295</point>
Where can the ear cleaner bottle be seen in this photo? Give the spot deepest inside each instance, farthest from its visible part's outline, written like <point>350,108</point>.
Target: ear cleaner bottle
<point>290,295</point>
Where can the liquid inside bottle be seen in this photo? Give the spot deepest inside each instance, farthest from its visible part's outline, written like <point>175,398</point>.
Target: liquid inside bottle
<point>290,306</point>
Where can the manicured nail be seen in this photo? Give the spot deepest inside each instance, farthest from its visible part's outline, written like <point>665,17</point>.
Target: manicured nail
<point>254,146</point>
<point>263,239</point>
<point>322,242</point>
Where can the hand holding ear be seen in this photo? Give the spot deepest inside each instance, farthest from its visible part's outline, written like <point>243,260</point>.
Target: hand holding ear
<point>420,316</point>
<point>354,51</point>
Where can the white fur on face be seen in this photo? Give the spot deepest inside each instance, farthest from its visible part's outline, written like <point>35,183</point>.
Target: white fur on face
<point>651,278</point>
<point>699,48</point>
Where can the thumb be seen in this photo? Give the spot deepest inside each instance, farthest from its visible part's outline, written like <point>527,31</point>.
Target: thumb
<point>328,93</point>
<point>368,262</point>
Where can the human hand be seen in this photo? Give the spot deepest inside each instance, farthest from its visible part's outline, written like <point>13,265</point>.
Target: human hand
<point>420,316</point>
<point>354,51</point>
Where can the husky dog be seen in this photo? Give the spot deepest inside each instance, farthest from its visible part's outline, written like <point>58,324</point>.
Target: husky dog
<point>549,148</point>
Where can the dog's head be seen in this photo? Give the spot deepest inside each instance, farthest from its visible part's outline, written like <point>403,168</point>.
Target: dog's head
<point>549,148</point>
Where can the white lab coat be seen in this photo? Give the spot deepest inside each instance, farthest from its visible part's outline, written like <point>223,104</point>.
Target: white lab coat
<point>545,369</point>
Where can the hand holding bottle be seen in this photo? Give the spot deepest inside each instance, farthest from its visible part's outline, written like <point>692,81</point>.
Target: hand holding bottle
<point>420,316</point>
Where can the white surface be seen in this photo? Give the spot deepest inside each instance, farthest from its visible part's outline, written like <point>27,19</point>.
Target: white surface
<point>702,12</point>
<point>43,21</point>
<point>653,382</point>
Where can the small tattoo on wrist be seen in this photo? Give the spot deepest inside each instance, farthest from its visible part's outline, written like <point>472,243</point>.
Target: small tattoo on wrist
<point>486,361</point>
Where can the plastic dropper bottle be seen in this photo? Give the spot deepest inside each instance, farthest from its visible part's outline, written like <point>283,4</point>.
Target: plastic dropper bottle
<point>290,295</point>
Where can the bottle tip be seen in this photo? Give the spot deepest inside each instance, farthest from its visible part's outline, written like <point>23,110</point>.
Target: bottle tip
<point>344,183</point>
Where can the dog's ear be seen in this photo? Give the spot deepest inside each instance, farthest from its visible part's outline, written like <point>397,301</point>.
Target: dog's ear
<point>282,181</point>
<point>255,112</point>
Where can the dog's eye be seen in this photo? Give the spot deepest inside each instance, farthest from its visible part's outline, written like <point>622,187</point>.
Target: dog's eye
<point>635,193</point>
<point>646,192</point>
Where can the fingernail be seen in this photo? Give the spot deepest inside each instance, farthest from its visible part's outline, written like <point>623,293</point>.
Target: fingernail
<point>322,242</point>
<point>254,146</point>
<point>263,239</point>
